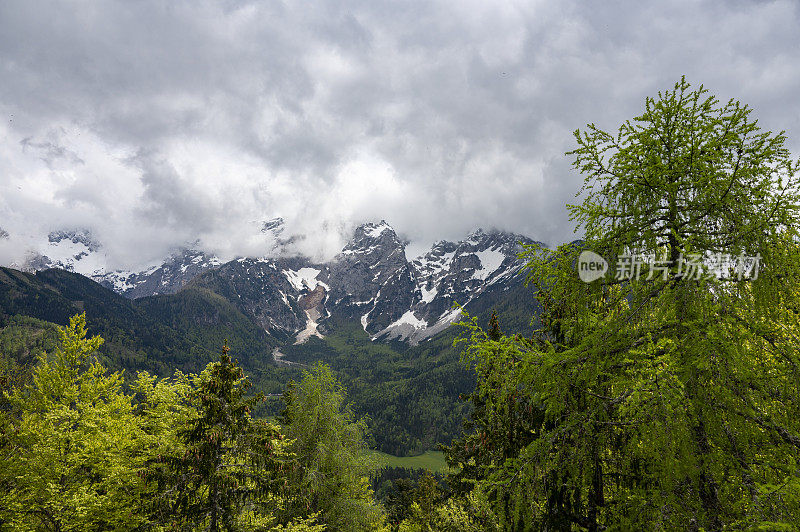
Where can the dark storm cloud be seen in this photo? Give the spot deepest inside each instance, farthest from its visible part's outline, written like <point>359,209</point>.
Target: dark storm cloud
<point>161,123</point>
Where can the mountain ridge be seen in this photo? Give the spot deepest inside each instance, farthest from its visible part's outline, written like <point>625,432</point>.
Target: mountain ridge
<point>370,280</point>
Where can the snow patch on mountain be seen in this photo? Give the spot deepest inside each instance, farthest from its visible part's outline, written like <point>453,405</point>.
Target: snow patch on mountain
<point>412,330</point>
<point>404,327</point>
<point>374,231</point>
<point>428,294</point>
<point>304,278</point>
<point>409,319</point>
<point>312,316</point>
<point>72,250</point>
<point>491,260</point>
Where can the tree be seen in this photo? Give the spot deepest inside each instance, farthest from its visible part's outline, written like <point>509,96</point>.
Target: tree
<point>668,400</point>
<point>692,176</point>
<point>226,477</point>
<point>503,420</point>
<point>71,444</point>
<point>334,469</point>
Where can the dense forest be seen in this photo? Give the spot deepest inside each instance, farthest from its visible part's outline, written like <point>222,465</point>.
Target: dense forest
<point>664,397</point>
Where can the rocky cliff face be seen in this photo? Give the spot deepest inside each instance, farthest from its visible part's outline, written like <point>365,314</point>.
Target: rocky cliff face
<point>370,281</point>
<point>266,290</point>
<point>167,278</point>
<point>455,272</point>
<point>371,275</point>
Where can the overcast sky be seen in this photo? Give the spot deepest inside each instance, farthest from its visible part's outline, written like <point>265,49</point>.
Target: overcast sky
<point>156,124</point>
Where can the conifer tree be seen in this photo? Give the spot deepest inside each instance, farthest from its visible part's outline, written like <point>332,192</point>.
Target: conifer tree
<point>668,400</point>
<point>227,473</point>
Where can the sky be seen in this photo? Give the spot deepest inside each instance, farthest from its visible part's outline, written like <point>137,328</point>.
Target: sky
<point>157,125</point>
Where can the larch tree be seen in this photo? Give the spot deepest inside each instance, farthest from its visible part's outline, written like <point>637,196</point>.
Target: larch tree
<point>669,390</point>
<point>329,444</point>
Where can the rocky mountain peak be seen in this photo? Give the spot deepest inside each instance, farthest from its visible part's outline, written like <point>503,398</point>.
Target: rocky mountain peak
<point>76,236</point>
<point>508,243</point>
<point>176,271</point>
<point>372,268</point>
<point>371,237</point>
<point>274,226</point>
<point>372,256</point>
<point>370,280</point>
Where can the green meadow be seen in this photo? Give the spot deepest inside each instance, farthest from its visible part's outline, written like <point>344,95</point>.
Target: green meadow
<point>432,460</point>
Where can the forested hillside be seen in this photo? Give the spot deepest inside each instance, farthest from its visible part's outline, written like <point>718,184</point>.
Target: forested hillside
<point>410,394</point>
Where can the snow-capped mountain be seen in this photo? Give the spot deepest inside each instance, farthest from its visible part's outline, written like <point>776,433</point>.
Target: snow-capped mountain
<point>453,273</point>
<point>74,250</point>
<point>77,250</point>
<point>270,291</point>
<point>370,281</point>
<point>167,278</point>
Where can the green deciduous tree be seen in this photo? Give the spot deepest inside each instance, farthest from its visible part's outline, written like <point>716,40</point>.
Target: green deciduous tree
<point>70,444</point>
<point>669,400</point>
<point>503,421</point>
<point>334,470</point>
<point>78,453</point>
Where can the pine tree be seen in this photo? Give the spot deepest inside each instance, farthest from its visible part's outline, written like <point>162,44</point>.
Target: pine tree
<point>227,472</point>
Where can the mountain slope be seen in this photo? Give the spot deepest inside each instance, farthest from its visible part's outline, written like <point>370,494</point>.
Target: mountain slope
<point>370,281</point>
<point>134,340</point>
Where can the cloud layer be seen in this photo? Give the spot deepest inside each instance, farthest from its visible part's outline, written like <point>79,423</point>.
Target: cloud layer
<point>159,124</point>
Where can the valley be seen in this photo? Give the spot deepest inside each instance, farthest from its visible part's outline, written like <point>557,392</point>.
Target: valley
<point>384,324</point>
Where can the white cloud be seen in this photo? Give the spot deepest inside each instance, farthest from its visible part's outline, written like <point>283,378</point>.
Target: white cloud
<point>157,125</point>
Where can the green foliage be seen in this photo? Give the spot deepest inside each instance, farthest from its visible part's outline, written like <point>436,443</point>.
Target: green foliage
<point>22,341</point>
<point>78,453</point>
<point>689,173</point>
<point>334,470</point>
<point>660,401</point>
<point>134,341</point>
<point>431,511</point>
<point>429,460</point>
<point>66,460</point>
<point>225,474</point>
<point>409,396</point>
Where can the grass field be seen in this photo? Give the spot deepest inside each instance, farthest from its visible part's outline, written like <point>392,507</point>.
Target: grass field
<point>432,460</point>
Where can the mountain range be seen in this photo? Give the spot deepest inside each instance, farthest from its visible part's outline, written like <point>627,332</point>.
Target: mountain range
<point>378,319</point>
<point>370,280</point>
